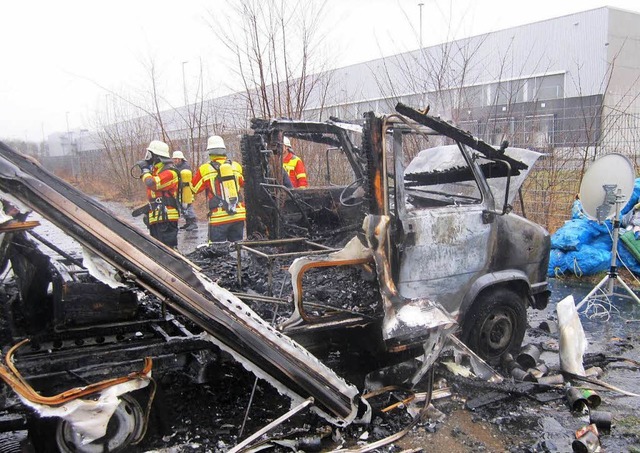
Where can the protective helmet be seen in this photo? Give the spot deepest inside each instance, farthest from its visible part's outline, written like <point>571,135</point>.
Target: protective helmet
<point>159,148</point>
<point>286,142</point>
<point>177,155</point>
<point>215,145</point>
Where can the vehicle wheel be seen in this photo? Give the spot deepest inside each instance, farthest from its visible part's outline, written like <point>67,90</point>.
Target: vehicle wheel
<point>125,426</point>
<point>495,324</point>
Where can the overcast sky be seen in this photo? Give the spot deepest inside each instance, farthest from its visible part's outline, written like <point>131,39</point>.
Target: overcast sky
<point>60,57</point>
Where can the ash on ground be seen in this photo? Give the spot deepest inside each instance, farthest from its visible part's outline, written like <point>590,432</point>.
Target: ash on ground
<point>521,417</point>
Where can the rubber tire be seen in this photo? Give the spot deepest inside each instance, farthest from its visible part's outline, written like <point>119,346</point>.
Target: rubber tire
<point>495,324</point>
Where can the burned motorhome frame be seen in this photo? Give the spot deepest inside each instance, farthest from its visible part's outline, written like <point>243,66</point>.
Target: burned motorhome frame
<point>431,272</point>
<point>231,325</point>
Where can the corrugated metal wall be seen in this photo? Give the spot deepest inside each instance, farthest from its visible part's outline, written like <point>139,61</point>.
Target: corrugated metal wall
<point>577,45</point>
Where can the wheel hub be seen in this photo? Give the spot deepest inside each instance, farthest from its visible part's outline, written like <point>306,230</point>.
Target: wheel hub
<point>497,332</point>
<point>125,426</point>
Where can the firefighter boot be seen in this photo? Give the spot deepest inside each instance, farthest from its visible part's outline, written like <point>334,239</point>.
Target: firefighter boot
<point>191,225</point>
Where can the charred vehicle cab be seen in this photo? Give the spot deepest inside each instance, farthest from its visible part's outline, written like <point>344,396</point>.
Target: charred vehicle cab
<point>452,236</point>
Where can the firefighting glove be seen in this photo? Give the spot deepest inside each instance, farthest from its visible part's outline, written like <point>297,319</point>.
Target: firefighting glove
<point>144,166</point>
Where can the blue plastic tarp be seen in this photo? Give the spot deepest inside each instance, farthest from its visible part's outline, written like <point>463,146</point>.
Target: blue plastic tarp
<point>583,246</point>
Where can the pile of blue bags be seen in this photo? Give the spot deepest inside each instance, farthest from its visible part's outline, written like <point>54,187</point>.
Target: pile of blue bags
<point>583,246</point>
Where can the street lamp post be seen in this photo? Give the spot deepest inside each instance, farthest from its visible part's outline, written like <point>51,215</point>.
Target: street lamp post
<point>420,5</point>
<point>186,109</point>
<point>68,133</point>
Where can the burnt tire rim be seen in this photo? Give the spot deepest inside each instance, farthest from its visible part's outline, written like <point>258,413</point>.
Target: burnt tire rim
<point>125,426</point>
<point>496,333</point>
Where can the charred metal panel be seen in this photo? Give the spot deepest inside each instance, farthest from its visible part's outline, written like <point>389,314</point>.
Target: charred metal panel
<point>407,321</point>
<point>262,210</point>
<point>34,274</point>
<point>450,248</point>
<point>372,146</point>
<point>231,324</point>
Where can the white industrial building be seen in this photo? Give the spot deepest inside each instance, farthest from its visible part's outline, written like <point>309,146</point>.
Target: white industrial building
<point>547,84</point>
<point>534,84</point>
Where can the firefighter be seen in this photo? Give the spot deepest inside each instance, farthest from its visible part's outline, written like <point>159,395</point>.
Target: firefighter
<point>186,191</point>
<point>294,166</point>
<point>222,179</point>
<point>161,180</point>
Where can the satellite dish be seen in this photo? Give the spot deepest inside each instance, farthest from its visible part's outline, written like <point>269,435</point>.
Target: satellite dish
<point>608,182</point>
<point>608,177</point>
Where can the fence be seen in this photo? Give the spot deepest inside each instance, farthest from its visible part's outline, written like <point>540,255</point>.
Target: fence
<point>547,194</point>
<point>551,187</point>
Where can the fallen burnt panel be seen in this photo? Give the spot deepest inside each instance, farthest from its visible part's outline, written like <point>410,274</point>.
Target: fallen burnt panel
<point>230,323</point>
<point>85,303</point>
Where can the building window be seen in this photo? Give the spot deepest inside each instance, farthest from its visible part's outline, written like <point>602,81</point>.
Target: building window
<point>549,87</point>
<point>497,130</point>
<point>539,131</point>
<point>471,97</point>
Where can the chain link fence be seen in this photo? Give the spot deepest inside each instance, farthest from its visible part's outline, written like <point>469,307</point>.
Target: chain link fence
<point>570,138</point>
<point>551,187</point>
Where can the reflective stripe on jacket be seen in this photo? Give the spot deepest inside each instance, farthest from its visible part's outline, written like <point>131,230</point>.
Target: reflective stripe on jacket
<point>205,180</point>
<point>162,188</point>
<point>294,167</point>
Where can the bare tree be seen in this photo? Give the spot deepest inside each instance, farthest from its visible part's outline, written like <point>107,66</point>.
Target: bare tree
<point>276,52</point>
<point>123,134</point>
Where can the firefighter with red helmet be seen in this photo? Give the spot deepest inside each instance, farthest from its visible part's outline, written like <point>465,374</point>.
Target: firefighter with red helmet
<point>294,167</point>
<point>162,182</point>
<point>221,179</point>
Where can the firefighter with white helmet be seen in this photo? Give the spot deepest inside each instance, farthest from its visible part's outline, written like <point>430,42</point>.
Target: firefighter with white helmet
<point>186,191</point>
<point>294,166</point>
<point>221,179</point>
<point>161,181</point>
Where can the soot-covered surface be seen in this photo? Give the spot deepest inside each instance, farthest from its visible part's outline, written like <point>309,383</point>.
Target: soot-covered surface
<point>208,417</point>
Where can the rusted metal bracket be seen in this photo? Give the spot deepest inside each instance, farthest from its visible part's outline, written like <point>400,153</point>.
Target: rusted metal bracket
<point>353,253</point>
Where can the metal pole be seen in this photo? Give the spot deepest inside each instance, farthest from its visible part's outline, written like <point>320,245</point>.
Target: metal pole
<point>420,5</point>
<point>273,424</point>
<point>186,109</point>
<point>68,133</point>
<point>74,169</point>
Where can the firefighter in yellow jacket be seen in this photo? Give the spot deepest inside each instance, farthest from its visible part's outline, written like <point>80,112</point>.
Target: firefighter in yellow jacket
<point>161,180</point>
<point>221,178</point>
